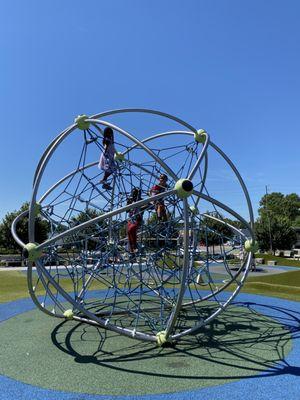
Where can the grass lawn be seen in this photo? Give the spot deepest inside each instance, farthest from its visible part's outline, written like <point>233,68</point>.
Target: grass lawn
<point>285,285</point>
<point>13,285</point>
<point>280,260</point>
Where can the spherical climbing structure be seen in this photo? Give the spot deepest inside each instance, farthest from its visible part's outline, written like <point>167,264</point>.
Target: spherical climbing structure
<point>155,266</point>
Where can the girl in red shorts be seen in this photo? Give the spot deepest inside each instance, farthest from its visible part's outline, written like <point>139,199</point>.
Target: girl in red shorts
<point>134,221</point>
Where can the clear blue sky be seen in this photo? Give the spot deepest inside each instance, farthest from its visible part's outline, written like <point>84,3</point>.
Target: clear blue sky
<point>231,67</point>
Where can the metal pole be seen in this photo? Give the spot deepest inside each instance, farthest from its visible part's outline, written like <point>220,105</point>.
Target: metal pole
<point>269,220</point>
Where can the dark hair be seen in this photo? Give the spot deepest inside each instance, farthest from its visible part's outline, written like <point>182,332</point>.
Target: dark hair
<point>136,194</point>
<point>164,176</point>
<point>108,133</point>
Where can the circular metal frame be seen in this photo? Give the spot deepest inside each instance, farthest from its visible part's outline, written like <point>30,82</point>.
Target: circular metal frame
<point>90,317</point>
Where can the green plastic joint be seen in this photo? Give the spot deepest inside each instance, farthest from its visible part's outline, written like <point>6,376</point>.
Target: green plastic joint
<point>161,338</point>
<point>184,188</point>
<point>200,136</point>
<point>81,122</point>
<point>68,314</point>
<point>251,246</point>
<point>31,252</point>
<point>119,156</point>
<point>194,210</point>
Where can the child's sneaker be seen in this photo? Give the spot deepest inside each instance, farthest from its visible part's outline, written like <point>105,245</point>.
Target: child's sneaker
<point>106,186</point>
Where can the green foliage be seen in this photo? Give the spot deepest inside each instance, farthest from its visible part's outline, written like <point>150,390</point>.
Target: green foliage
<point>93,233</point>
<point>296,222</point>
<point>278,213</point>
<point>84,216</point>
<point>212,230</point>
<point>7,242</point>
<point>277,204</point>
<point>283,235</point>
<point>153,219</point>
<point>234,222</point>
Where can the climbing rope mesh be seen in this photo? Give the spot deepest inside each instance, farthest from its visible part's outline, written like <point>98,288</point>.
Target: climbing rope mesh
<point>140,290</point>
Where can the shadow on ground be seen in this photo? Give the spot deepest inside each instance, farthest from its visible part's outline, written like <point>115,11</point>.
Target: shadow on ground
<point>246,340</point>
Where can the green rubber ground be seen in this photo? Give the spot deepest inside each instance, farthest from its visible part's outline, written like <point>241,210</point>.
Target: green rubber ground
<point>68,356</point>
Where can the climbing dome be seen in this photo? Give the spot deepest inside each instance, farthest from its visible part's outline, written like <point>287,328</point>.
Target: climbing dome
<point>187,266</point>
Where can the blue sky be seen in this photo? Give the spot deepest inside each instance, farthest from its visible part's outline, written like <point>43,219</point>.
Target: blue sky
<point>231,67</point>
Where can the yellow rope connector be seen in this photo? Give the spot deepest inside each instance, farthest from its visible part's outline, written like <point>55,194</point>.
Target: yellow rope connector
<point>68,314</point>
<point>200,136</point>
<point>31,252</point>
<point>119,156</point>
<point>81,122</point>
<point>194,210</point>
<point>251,246</point>
<point>161,338</point>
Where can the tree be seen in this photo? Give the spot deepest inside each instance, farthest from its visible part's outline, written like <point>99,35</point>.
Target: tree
<point>94,234</point>
<point>278,232</point>
<point>296,222</point>
<point>278,213</point>
<point>235,222</point>
<point>213,230</point>
<point>277,204</point>
<point>7,242</point>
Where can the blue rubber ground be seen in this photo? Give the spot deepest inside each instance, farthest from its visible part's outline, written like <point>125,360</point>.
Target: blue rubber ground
<point>281,382</point>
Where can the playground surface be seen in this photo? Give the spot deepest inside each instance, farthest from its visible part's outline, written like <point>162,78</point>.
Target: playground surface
<point>252,351</point>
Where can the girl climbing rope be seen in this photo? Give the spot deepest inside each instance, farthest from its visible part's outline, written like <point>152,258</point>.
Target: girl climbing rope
<point>107,162</point>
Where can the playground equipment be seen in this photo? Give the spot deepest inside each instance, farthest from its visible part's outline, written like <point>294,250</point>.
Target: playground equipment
<point>180,276</point>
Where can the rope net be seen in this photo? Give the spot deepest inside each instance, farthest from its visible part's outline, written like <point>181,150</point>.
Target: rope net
<point>138,270</point>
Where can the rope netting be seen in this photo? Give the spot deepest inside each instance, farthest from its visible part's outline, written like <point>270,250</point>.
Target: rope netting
<point>129,253</point>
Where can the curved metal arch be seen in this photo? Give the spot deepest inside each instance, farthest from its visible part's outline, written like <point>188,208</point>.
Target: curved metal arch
<point>225,208</point>
<point>241,181</point>
<point>139,143</point>
<point>225,223</point>
<point>38,176</point>
<point>13,228</point>
<point>145,111</point>
<point>47,155</point>
<point>172,319</point>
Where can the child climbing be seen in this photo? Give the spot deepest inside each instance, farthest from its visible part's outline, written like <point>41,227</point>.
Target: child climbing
<point>160,207</point>
<point>134,221</point>
<point>107,162</point>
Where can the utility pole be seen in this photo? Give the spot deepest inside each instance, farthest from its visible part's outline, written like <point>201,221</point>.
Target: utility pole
<point>269,220</point>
